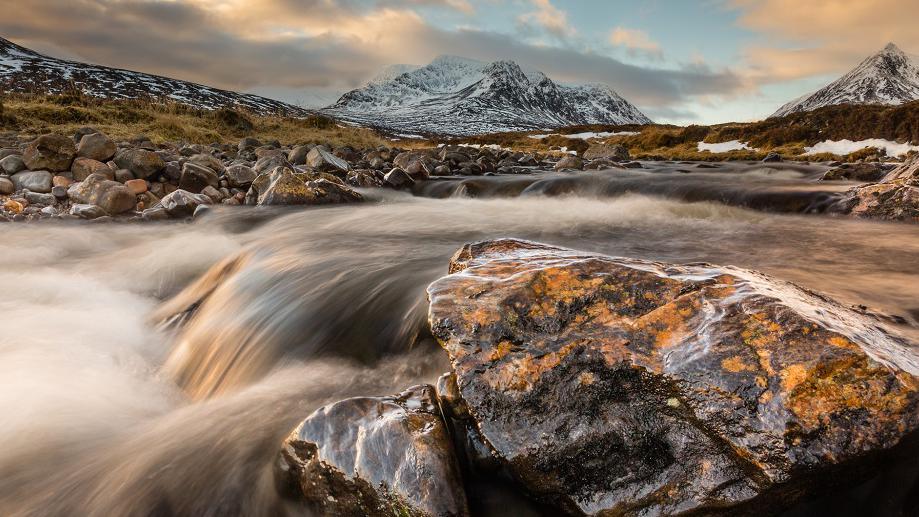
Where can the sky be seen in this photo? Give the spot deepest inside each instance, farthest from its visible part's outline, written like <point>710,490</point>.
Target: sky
<point>679,61</point>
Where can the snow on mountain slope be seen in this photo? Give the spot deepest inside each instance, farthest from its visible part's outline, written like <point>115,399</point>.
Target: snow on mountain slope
<point>458,96</point>
<point>888,77</point>
<point>25,71</point>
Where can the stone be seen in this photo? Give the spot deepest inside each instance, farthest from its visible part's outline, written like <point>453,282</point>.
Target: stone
<point>570,162</point>
<point>867,171</point>
<point>14,206</point>
<point>180,203</point>
<point>297,155</point>
<point>894,198</point>
<point>209,161</point>
<point>772,157</point>
<point>614,152</point>
<point>201,211</point>
<point>59,192</point>
<point>363,179</point>
<point>375,456</point>
<point>36,181</point>
<point>81,132</point>
<point>280,187</point>
<point>61,181</point>
<point>195,177</point>
<point>96,146</point>
<point>141,162</point>
<point>417,164</point>
<point>123,176</point>
<point>87,211</point>
<point>240,176</point>
<point>248,143</point>
<point>212,193</point>
<point>49,152</point>
<point>6,186</point>
<point>37,198</point>
<point>397,178</point>
<point>334,192</point>
<point>619,386</point>
<point>12,164</point>
<point>323,161</point>
<point>112,196</point>
<point>136,186</point>
<point>82,168</point>
<point>269,163</point>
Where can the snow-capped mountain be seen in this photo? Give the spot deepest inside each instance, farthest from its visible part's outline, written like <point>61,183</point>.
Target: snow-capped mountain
<point>26,71</point>
<point>458,96</point>
<point>889,77</point>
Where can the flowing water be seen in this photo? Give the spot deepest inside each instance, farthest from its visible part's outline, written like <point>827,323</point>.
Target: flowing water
<point>109,411</point>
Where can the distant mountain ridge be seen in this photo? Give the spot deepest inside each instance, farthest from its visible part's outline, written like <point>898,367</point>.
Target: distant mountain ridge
<point>459,96</point>
<point>25,71</point>
<point>888,77</point>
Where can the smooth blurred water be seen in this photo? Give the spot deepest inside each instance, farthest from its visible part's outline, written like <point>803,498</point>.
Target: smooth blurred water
<point>106,412</point>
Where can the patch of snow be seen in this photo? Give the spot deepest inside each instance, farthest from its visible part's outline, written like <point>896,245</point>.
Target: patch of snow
<point>587,135</point>
<point>844,147</point>
<point>724,147</point>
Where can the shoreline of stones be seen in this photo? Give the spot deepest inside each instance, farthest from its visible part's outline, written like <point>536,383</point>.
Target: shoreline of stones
<point>89,176</point>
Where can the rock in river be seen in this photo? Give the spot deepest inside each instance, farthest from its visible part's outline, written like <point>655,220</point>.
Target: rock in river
<point>376,456</point>
<point>625,387</point>
<point>111,196</point>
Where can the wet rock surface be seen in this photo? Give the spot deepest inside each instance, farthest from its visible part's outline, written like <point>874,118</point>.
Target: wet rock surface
<point>896,197</point>
<point>619,386</point>
<point>375,456</point>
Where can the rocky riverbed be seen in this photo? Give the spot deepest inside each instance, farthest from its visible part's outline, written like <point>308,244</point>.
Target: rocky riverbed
<point>91,177</point>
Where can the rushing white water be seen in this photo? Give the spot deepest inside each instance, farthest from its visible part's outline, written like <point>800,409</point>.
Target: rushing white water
<point>105,413</point>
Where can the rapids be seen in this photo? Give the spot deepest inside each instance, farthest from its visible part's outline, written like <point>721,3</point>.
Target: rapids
<point>135,382</point>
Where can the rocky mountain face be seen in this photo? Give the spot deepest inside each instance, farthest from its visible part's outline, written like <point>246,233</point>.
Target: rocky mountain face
<point>889,77</point>
<point>26,71</point>
<point>458,96</point>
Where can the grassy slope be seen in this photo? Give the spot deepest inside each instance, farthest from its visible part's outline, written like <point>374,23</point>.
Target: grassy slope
<point>787,135</point>
<point>170,122</point>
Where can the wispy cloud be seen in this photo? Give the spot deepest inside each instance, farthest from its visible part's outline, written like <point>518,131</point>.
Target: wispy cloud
<point>549,18</point>
<point>636,42</point>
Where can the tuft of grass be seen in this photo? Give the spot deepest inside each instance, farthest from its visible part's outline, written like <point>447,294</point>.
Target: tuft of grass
<point>173,122</point>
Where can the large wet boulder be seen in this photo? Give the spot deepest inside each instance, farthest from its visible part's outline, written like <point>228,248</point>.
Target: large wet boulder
<point>375,456</point>
<point>49,152</point>
<point>625,387</point>
<point>285,187</point>
<point>111,196</point>
<point>865,171</point>
<point>182,203</point>
<point>894,198</point>
<point>141,162</point>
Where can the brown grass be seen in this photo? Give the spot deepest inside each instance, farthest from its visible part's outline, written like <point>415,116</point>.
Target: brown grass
<point>162,122</point>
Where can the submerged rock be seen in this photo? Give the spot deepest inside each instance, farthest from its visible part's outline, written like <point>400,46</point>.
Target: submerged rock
<point>627,387</point>
<point>375,456</point>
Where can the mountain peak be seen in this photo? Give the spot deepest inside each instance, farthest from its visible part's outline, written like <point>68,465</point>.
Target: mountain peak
<point>454,95</point>
<point>888,77</point>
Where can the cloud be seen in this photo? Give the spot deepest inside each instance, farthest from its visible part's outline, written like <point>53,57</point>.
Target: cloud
<point>320,45</point>
<point>817,37</point>
<point>549,18</point>
<point>635,41</point>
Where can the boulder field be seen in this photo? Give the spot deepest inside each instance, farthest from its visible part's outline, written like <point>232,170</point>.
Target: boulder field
<point>615,386</point>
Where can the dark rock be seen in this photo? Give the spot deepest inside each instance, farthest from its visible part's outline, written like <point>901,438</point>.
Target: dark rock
<point>363,179</point>
<point>195,177</point>
<point>96,146</point>
<point>209,161</point>
<point>248,143</point>
<point>36,181</point>
<point>141,162</point>
<point>6,186</point>
<point>49,152</point>
<point>269,163</point>
<point>375,456</point>
<point>37,198</point>
<point>334,192</point>
<point>85,211</point>
<point>124,176</point>
<point>772,157</point>
<point>442,170</point>
<point>59,192</point>
<point>284,187</point>
<point>625,387</point>
<point>180,203</point>
<point>112,196</point>
<point>81,132</point>
<point>868,171</point>
<point>397,178</point>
